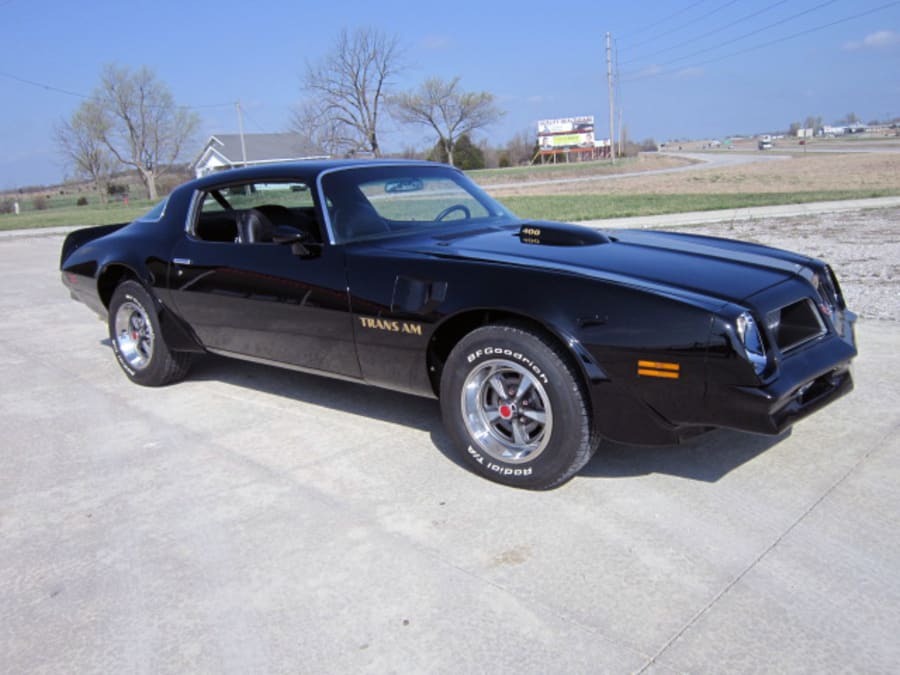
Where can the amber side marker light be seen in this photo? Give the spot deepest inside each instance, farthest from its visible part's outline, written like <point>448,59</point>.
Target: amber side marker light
<point>671,371</point>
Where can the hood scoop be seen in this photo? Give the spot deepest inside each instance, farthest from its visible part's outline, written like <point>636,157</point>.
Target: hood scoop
<point>560,234</point>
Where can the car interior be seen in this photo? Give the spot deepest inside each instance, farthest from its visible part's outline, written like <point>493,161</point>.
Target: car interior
<point>242,215</point>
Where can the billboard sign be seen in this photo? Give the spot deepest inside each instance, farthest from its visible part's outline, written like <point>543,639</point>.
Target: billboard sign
<point>566,133</point>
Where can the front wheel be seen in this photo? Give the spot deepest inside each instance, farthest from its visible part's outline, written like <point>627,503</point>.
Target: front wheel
<point>511,399</point>
<point>137,340</point>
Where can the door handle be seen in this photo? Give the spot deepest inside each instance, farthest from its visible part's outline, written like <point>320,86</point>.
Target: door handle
<point>181,261</point>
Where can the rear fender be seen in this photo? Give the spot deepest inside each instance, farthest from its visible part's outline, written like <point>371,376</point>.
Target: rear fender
<point>176,333</point>
<point>80,237</point>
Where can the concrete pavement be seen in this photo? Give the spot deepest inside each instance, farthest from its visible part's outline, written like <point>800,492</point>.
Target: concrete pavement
<point>253,520</point>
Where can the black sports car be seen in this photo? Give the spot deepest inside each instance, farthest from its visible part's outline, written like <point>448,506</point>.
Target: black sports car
<point>539,338</point>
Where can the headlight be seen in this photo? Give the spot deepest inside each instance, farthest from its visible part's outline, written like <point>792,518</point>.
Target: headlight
<point>751,340</point>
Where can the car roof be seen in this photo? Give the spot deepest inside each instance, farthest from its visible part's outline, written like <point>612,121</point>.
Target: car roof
<point>306,170</point>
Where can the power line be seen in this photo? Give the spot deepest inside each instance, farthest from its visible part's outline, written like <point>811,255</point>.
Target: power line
<point>255,123</point>
<point>774,24</point>
<point>770,42</point>
<point>667,18</point>
<point>58,90</point>
<point>679,27</point>
<point>756,31</point>
<point>746,17</point>
<point>42,86</point>
<point>206,105</point>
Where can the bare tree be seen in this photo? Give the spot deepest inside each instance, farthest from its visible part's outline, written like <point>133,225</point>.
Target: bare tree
<point>348,88</point>
<point>521,148</point>
<point>141,125</point>
<point>79,140</point>
<point>813,122</point>
<point>318,133</point>
<point>448,110</point>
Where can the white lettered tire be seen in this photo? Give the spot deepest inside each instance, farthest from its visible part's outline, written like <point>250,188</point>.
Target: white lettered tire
<point>515,407</point>
<point>137,340</point>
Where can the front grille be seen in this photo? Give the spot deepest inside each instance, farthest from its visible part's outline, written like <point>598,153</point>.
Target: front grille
<point>795,324</point>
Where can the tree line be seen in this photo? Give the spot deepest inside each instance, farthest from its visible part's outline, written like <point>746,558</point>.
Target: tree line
<point>132,121</point>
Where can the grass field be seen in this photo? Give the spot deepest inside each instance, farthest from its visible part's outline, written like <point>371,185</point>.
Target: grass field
<point>598,206</point>
<point>524,174</point>
<point>60,213</point>
<point>799,179</point>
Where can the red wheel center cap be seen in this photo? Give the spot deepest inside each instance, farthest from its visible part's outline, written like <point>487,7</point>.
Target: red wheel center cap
<point>506,411</point>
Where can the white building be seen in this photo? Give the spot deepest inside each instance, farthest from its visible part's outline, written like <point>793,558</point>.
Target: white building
<point>226,151</point>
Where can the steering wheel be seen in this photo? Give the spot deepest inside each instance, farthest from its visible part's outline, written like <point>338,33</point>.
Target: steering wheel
<point>450,209</point>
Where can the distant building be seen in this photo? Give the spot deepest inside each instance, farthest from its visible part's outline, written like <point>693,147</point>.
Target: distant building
<point>855,128</point>
<point>225,151</point>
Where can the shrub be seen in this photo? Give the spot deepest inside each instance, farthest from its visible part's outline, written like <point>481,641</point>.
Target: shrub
<point>40,203</point>
<point>82,201</point>
<point>6,206</point>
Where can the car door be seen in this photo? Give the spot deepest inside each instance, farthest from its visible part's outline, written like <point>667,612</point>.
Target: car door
<point>261,300</point>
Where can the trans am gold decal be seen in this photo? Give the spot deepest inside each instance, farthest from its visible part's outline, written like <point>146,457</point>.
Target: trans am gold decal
<point>391,325</point>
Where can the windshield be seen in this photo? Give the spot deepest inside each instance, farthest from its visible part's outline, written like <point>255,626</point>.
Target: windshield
<point>382,201</point>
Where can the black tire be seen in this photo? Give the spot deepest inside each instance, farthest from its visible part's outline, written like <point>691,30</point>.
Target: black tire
<point>137,340</point>
<point>537,434</point>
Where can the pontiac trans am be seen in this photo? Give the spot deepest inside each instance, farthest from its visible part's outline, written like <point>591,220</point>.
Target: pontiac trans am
<point>539,339</point>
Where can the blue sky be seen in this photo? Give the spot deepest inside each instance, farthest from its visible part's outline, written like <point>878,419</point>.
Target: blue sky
<point>688,68</point>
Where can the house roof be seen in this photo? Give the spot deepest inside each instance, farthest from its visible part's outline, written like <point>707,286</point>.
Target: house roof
<point>259,148</point>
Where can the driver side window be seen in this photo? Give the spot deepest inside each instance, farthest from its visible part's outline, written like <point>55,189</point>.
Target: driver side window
<point>252,213</point>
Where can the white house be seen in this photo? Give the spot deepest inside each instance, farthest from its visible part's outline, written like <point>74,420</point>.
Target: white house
<point>226,151</point>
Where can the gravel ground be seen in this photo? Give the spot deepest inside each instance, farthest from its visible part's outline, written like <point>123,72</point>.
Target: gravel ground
<point>862,247</point>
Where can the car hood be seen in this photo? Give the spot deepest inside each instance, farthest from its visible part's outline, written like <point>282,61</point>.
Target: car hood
<point>721,268</point>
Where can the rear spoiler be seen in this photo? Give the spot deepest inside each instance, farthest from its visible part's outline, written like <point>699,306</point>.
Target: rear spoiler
<point>82,236</point>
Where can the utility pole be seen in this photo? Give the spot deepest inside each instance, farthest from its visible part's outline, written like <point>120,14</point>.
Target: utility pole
<point>240,115</point>
<point>621,137</point>
<point>609,80</point>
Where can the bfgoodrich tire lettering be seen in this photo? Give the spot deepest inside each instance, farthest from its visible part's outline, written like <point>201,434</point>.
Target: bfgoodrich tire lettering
<point>514,406</point>
<point>137,340</point>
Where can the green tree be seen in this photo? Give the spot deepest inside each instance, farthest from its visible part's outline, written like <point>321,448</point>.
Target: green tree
<point>467,155</point>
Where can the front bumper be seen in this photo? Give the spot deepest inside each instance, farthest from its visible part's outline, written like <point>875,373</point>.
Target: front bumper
<point>806,382</point>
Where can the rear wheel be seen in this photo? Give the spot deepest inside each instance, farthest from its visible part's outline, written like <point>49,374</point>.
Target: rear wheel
<point>511,399</point>
<point>137,340</point>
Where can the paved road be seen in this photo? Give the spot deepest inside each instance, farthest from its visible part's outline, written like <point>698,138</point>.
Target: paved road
<point>251,520</point>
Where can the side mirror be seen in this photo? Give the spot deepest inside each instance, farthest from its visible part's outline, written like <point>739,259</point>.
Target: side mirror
<point>287,234</point>
<point>298,240</point>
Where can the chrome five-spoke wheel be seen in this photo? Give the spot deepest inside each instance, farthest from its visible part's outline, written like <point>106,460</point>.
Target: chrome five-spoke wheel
<point>507,411</point>
<point>137,340</point>
<point>134,334</point>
